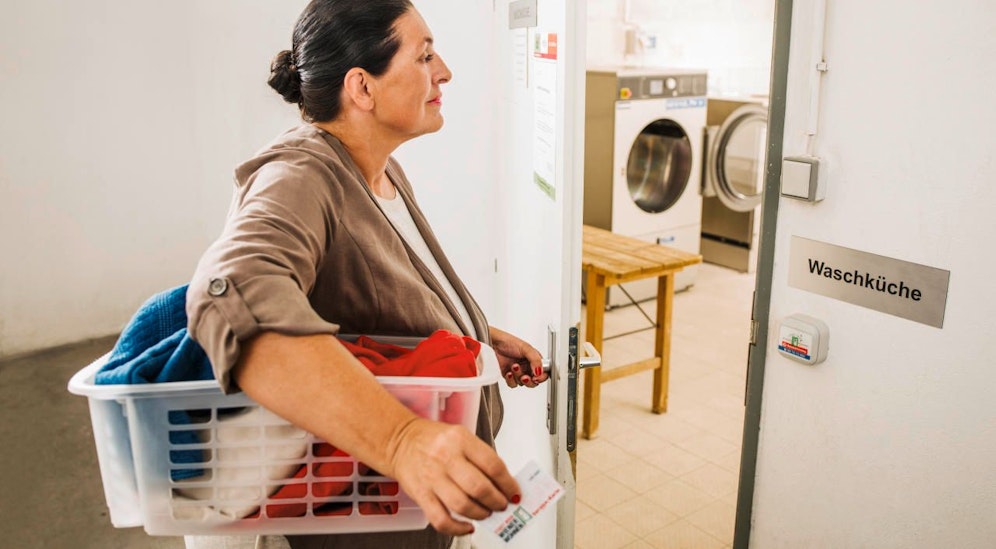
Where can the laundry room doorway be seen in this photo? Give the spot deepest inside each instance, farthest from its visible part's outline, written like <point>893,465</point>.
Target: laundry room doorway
<point>673,479</point>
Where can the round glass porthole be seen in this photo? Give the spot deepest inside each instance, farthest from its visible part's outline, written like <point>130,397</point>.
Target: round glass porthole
<point>659,166</point>
<point>737,158</point>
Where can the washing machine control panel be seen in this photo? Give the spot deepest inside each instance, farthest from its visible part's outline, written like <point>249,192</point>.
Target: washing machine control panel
<point>663,85</point>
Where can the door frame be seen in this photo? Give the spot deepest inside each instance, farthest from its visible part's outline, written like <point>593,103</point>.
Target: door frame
<point>765,271</point>
<point>575,61</point>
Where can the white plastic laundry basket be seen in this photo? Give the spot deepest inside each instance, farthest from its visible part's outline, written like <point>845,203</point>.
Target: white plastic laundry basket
<point>184,458</point>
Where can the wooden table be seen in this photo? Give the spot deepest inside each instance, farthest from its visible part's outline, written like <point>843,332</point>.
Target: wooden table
<point>608,259</point>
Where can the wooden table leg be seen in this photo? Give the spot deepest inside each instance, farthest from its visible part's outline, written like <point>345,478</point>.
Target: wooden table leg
<point>594,314</point>
<point>662,342</point>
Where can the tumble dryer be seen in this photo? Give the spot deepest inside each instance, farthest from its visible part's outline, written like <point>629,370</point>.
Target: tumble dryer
<point>643,161</point>
<point>733,181</point>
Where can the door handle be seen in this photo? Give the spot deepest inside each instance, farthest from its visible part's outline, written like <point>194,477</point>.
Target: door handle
<point>590,359</point>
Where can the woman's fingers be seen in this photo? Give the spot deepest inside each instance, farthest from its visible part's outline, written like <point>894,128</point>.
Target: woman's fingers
<point>440,519</point>
<point>516,374</point>
<point>484,458</point>
<point>459,495</point>
<point>446,469</point>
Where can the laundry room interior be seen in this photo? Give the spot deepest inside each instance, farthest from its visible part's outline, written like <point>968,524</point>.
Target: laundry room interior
<point>676,120</point>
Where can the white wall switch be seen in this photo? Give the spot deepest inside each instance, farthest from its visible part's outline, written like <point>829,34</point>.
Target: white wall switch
<point>803,178</point>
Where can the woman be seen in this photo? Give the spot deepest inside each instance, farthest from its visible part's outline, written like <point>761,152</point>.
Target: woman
<point>324,236</point>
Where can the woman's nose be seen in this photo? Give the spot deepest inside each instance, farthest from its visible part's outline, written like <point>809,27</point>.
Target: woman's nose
<point>443,73</point>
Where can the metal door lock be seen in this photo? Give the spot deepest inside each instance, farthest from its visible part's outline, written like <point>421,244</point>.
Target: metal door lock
<point>574,364</point>
<point>590,359</point>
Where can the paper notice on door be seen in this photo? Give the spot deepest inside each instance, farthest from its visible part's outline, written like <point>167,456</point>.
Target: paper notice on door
<point>539,492</point>
<point>520,56</point>
<point>545,112</point>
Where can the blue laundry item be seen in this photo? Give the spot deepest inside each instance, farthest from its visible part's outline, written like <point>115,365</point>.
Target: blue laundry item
<point>155,348</point>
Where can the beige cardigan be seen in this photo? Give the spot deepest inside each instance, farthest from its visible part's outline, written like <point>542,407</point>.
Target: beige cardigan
<point>306,250</point>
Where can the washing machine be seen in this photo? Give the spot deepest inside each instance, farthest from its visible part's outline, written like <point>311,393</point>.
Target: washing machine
<point>643,161</point>
<point>733,181</point>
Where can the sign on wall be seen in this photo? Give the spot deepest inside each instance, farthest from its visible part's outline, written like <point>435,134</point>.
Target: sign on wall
<point>522,14</point>
<point>892,286</point>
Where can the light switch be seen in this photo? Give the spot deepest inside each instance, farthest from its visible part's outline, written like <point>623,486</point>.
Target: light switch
<point>803,178</point>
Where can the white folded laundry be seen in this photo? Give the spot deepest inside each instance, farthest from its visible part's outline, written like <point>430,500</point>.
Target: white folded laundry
<point>252,450</point>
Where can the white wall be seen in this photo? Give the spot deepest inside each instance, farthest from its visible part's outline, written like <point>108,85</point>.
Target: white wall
<point>730,38</point>
<point>122,124</point>
<point>891,442</point>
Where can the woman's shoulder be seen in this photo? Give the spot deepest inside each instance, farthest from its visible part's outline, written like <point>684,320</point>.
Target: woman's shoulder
<point>301,147</point>
<point>304,139</point>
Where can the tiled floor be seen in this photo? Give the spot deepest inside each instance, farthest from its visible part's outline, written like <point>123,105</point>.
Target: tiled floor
<point>670,480</point>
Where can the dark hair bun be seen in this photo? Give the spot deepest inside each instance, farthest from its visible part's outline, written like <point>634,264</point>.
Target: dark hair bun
<point>285,78</point>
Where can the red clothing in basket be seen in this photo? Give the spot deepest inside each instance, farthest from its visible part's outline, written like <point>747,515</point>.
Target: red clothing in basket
<point>340,483</point>
<point>442,354</point>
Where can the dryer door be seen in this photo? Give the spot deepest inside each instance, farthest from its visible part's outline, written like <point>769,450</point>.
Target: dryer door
<point>736,160</point>
<point>659,166</point>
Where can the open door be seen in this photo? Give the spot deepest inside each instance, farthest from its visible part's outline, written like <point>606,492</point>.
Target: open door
<point>539,65</point>
<point>515,146</point>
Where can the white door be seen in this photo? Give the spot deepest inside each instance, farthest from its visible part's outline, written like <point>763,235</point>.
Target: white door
<point>540,100</point>
<point>505,199</point>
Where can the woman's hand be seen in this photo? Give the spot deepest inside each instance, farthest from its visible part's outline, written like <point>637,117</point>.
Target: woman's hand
<point>520,362</point>
<point>445,468</point>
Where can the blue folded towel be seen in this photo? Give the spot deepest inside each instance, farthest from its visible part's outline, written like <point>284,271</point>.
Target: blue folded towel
<point>155,348</point>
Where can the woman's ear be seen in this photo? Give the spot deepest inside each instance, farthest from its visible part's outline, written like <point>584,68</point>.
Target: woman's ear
<point>356,86</point>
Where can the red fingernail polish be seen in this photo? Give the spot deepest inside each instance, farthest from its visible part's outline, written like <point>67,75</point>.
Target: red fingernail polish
<point>516,499</point>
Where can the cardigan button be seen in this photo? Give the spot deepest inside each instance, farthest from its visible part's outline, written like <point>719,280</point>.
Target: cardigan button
<point>217,287</point>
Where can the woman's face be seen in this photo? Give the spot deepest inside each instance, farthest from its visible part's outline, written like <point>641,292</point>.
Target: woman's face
<point>409,98</point>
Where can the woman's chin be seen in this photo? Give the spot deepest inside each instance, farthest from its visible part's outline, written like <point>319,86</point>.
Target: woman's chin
<point>435,126</point>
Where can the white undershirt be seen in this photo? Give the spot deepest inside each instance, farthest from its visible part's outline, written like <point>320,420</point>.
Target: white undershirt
<point>401,218</point>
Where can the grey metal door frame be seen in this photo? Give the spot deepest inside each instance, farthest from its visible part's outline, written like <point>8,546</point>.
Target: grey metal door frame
<point>765,269</point>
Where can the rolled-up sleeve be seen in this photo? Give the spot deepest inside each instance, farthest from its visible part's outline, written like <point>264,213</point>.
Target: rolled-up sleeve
<point>257,275</point>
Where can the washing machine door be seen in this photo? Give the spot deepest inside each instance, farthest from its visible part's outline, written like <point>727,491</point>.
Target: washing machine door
<point>659,166</point>
<point>736,158</point>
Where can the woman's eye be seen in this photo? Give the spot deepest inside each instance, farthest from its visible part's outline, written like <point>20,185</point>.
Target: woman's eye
<point>428,57</point>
